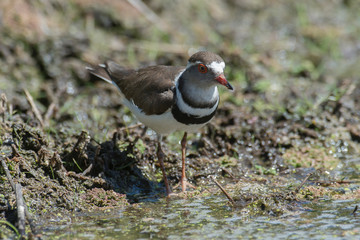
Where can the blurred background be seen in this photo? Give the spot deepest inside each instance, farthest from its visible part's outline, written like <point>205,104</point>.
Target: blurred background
<point>298,52</point>
<point>296,60</point>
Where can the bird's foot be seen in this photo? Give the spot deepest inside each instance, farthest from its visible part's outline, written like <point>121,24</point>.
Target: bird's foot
<point>184,184</point>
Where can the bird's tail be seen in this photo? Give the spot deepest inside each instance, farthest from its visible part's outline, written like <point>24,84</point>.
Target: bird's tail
<point>100,72</point>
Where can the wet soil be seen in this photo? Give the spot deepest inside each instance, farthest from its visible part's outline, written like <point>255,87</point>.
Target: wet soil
<point>73,147</point>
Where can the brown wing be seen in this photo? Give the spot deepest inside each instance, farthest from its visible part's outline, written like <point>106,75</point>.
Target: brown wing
<point>150,88</point>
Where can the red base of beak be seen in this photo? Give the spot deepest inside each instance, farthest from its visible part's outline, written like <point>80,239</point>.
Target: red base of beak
<point>222,80</point>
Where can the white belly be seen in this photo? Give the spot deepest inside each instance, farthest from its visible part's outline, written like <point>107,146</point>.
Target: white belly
<point>162,124</point>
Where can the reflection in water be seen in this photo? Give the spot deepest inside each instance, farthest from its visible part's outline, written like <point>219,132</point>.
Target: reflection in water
<point>212,218</point>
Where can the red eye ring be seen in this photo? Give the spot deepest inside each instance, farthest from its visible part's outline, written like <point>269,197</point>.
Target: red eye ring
<point>202,68</point>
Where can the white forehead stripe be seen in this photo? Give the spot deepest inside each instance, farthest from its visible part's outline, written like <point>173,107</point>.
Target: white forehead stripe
<point>217,67</point>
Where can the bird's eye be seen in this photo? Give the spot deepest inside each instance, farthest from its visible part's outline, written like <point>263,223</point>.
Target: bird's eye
<point>202,68</point>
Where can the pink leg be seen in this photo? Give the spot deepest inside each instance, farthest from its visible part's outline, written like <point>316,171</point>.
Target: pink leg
<point>183,153</point>
<point>160,154</point>
<point>183,181</point>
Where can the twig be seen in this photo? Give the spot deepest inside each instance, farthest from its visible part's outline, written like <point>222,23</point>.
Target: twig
<point>14,187</point>
<point>97,153</point>
<point>228,172</point>
<point>34,107</point>
<point>302,183</point>
<point>223,190</point>
<point>355,210</point>
<point>8,175</point>
<point>3,101</point>
<point>87,170</point>
<point>49,113</point>
<point>20,210</point>
<point>129,127</point>
<point>30,219</point>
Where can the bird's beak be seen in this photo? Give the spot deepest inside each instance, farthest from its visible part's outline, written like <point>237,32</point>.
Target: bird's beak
<point>222,80</point>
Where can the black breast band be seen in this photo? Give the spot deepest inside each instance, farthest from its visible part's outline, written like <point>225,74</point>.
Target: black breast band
<point>189,118</point>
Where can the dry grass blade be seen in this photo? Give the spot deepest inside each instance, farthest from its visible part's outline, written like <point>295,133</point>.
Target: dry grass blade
<point>355,210</point>
<point>302,183</point>
<point>8,175</point>
<point>87,170</point>
<point>18,193</point>
<point>223,190</point>
<point>34,107</point>
<point>3,102</point>
<point>49,113</point>
<point>20,210</point>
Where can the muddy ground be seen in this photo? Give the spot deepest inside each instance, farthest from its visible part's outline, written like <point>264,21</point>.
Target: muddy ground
<point>73,147</point>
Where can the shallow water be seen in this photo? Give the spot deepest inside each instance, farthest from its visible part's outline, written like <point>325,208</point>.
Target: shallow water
<point>211,218</point>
